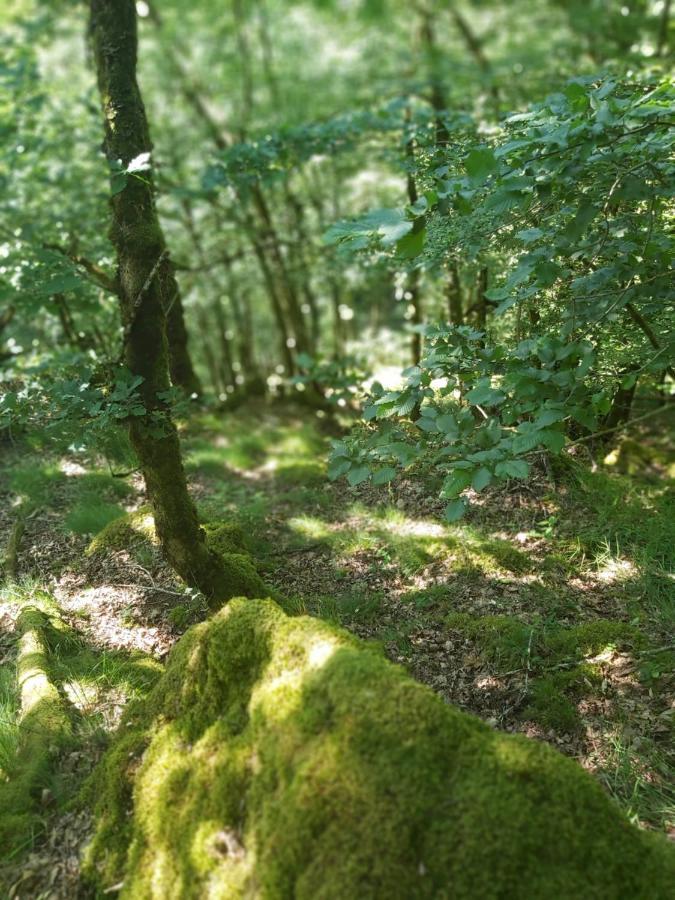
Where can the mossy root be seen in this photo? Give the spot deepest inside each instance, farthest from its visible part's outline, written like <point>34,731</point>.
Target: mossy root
<point>279,757</point>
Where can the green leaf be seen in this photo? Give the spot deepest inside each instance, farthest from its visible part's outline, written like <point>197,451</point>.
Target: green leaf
<point>480,163</point>
<point>481,479</point>
<point>60,284</point>
<point>384,476</point>
<point>358,475</point>
<point>486,395</point>
<point>338,467</point>
<point>496,294</point>
<point>553,440</point>
<point>502,201</point>
<point>455,483</point>
<point>412,244</point>
<point>548,417</point>
<point>446,423</point>
<point>118,181</point>
<point>513,468</point>
<point>455,510</point>
<point>529,235</point>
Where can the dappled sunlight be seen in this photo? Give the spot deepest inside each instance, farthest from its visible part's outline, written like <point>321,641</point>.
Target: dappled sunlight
<point>310,527</point>
<point>71,469</point>
<point>616,570</point>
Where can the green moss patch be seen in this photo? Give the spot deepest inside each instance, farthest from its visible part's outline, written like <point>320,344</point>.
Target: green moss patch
<point>225,537</point>
<point>125,533</point>
<point>552,697</point>
<point>508,640</point>
<point>549,653</point>
<point>280,757</point>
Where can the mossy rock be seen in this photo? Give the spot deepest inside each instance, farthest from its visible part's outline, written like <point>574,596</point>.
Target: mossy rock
<point>279,757</point>
<point>130,530</point>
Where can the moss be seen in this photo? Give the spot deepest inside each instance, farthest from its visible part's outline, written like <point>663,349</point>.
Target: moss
<point>551,703</point>
<point>237,572</point>
<point>133,529</point>
<point>629,458</point>
<point>90,515</point>
<point>507,640</point>
<point>503,639</point>
<point>591,637</point>
<point>240,578</point>
<point>506,555</point>
<point>225,537</point>
<point>281,758</point>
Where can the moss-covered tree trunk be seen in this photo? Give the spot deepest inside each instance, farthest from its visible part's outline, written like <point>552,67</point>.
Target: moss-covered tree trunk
<point>146,290</point>
<point>182,371</point>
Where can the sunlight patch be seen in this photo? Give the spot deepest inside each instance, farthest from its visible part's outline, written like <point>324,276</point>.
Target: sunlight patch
<point>320,653</point>
<point>616,570</point>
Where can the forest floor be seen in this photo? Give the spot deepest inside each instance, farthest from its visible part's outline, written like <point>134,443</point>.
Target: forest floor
<point>549,611</point>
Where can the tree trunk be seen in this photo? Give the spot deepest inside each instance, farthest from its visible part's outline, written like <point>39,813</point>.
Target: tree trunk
<point>414,287</point>
<point>453,293</point>
<point>481,299</point>
<point>182,372</point>
<point>146,288</point>
<point>622,403</point>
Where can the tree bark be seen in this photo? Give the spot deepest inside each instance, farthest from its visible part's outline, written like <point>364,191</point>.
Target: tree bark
<point>182,371</point>
<point>146,288</point>
<point>453,293</point>
<point>414,286</point>
<point>481,299</point>
<point>622,404</point>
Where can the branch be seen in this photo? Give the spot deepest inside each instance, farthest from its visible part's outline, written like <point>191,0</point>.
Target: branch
<point>98,275</point>
<point>621,427</point>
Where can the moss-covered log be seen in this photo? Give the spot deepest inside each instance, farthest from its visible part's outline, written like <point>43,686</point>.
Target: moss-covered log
<point>42,729</point>
<point>147,291</point>
<point>280,757</point>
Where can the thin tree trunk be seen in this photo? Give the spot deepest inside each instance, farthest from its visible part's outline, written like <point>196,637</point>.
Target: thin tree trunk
<point>209,357</point>
<point>414,287</point>
<point>181,369</point>
<point>622,404</point>
<point>225,343</point>
<point>302,266</point>
<point>146,286</point>
<point>664,26</point>
<point>475,47</point>
<point>453,293</point>
<point>481,299</point>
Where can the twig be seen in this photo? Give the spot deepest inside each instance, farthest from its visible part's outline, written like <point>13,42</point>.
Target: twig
<point>149,587</point>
